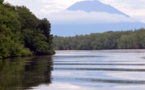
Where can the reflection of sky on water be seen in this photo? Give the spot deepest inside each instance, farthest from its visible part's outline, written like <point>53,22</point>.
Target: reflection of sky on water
<point>100,66</point>
<point>101,55</point>
<point>128,75</point>
<point>61,86</point>
<point>85,75</point>
<point>67,86</point>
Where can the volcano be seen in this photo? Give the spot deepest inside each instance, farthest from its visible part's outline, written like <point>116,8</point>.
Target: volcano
<point>104,18</point>
<point>94,6</point>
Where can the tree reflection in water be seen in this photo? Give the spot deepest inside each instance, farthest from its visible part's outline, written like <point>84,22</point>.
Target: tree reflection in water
<point>24,73</point>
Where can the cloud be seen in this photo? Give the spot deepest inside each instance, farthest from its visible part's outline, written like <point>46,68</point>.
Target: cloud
<point>130,7</point>
<point>81,17</point>
<point>140,18</point>
<point>130,4</point>
<point>34,6</point>
<point>41,6</point>
<point>134,8</point>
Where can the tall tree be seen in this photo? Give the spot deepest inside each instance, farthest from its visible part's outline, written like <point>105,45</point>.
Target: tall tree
<point>1,1</point>
<point>19,32</point>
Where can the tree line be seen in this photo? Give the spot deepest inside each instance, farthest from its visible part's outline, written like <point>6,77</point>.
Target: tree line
<point>132,39</point>
<point>22,33</point>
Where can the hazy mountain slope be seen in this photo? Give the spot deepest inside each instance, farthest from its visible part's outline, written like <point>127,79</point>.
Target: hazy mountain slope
<point>70,28</point>
<point>78,29</point>
<point>94,6</point>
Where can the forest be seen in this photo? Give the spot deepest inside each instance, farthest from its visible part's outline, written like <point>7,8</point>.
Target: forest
<point>131,39</point>
<point>22,33</point>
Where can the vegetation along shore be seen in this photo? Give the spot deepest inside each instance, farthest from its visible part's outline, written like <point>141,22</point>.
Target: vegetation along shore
<point>131,39</point>
<point>22,33</point>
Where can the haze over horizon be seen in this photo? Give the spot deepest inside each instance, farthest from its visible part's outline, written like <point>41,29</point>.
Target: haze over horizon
<point>91,16</point>
<point>71,17</point>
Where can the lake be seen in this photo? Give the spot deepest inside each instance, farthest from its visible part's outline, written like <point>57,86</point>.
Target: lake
<point>76,70</point>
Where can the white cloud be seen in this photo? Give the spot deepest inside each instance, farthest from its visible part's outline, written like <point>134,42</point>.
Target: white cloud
<point>140,18</point>
<point>35,6</point>
<point>81,17</point>
<point>40,6</point>
<point>134,8</point>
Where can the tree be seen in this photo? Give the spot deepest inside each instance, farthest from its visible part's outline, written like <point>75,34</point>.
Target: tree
<point>107,40</point>
<point>22,33</point>
<point>1,1</point>
<point>44,25</point>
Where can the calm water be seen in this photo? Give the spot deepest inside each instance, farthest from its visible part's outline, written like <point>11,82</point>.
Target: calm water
<point>76,70</point>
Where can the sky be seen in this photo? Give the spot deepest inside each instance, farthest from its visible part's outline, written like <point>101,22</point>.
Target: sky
<point>45,8</point>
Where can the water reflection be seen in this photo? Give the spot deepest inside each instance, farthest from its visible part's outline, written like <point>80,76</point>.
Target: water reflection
<point>102,69</point>
<point>24,73</point>
<point>75,70</point>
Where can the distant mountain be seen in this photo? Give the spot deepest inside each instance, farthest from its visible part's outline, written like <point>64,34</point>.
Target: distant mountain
<point>94,6</point>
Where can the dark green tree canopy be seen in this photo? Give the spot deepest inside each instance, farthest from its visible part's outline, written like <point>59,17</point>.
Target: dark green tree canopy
<point>22,33</point>
<point>1,1</point>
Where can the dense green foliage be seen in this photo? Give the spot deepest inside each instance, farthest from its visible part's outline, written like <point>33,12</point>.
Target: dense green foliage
<point>22,33</point>
<point>107,40</point>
